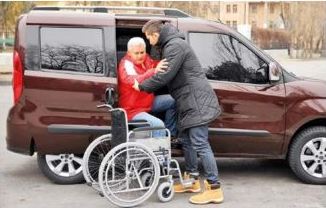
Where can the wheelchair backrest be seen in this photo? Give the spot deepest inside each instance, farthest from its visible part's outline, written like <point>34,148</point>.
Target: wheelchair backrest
<point>119,128</point>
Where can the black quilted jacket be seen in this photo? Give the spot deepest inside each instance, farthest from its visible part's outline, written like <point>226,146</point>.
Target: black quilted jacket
<point>196,101</point>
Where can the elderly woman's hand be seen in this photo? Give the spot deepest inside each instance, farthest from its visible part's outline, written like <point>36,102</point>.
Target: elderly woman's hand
<point>136,85</point>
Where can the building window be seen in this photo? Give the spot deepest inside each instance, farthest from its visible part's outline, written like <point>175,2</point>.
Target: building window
<point>271,8</point>
<point>235,8</point>
<point>254,8</point>
<point>228,8</point>
<point>234,24</point>
<point>228,23</point>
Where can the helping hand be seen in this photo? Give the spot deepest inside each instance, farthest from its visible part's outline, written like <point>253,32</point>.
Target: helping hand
<point>161,66</point>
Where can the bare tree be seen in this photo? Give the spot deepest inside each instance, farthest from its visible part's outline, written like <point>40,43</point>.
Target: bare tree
<point>9,12</point>
<point>305,22</point>
<point>73,58</point>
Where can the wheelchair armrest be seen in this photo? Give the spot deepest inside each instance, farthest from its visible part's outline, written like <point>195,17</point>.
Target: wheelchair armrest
<point>138,123</point>
<point>148,129</point>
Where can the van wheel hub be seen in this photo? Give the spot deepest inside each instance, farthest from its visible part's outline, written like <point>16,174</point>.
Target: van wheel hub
<point>65,165</point>
<point>313,157</point>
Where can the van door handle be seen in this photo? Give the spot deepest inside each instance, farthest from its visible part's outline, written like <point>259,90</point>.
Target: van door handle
<point>110,95</point>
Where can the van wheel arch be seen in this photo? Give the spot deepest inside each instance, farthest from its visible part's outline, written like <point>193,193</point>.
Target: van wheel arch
<point>312,123</point>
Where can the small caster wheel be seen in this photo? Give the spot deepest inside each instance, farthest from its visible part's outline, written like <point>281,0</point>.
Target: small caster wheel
<point>165,191</point>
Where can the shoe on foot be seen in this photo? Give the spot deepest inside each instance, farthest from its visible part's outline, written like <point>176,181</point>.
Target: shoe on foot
<point>212,194</point>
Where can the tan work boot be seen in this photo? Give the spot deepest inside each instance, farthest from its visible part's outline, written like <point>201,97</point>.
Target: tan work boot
<point>195,188</point>
<point>210,195</point>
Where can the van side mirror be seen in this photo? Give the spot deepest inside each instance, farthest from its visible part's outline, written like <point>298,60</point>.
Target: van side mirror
<point>274,72</point>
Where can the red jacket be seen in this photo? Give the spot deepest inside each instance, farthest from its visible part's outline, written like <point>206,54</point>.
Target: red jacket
<point>130,99</point>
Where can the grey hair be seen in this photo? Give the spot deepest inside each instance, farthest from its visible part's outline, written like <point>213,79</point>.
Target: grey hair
<point>135,42</point>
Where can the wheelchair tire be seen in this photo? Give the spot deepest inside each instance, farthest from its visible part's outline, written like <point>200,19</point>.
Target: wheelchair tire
<point>165,192</point>
<point>93,157</point>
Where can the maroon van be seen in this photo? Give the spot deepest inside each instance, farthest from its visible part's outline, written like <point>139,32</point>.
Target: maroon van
<point>65,61</point>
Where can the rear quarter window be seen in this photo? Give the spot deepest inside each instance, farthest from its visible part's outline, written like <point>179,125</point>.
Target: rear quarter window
<point>74,50</point>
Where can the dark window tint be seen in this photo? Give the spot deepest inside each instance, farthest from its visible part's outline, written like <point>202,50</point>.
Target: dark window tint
<point>225,58</point>
<point>72,49</point>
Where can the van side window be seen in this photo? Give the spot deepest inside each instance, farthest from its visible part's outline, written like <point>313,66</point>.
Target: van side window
<point>226,59</point>
<point>78,50</point>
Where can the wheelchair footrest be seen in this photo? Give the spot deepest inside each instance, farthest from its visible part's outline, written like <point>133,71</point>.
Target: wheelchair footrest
<point>188,182</point>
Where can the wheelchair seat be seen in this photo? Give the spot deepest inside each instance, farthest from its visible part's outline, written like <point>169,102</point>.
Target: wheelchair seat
<point>153,143</point>
<point>140,131</point>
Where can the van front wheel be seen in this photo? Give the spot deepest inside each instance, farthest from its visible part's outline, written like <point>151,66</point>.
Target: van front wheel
<point>61,168</point>
<point>307,155</point>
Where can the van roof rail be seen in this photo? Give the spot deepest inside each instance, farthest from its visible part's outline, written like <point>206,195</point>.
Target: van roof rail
<point>111,9</point>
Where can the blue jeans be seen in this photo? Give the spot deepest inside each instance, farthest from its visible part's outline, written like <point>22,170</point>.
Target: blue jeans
<point>162,103</point>
<point>195,141</point>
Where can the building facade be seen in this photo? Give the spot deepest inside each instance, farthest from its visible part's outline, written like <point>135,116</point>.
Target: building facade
<point>256,14</point>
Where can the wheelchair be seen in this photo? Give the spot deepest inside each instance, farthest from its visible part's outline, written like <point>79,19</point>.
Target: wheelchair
<point>133,164</point>
<point>95,153</point>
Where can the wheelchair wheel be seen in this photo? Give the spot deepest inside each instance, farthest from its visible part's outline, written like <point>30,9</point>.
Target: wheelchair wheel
<point>93,157</point>
<point>165,191</point>
<point>129,174</point>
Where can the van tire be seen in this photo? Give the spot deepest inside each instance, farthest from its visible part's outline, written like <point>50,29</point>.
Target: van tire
<point>62,177</point>
<point>308,151</point>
